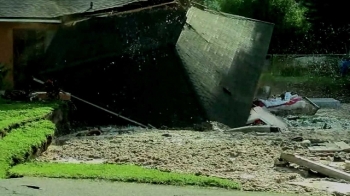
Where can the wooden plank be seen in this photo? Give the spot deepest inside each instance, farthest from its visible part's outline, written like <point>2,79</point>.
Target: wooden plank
<point>321,168</point>
<point>261,129</point>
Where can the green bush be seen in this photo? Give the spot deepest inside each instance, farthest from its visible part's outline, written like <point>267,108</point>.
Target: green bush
<point>328,68</point>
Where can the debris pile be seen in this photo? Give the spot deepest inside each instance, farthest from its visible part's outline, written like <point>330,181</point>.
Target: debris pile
<point>51,92</point>
<point>293,110</point>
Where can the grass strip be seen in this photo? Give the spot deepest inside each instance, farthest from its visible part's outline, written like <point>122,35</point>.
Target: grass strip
<point>308,79</point>
<point>19,142</point>
<point>124,173</point>
<point>17,113</point>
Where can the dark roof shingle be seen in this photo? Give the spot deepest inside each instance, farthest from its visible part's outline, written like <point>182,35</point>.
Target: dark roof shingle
<point>54,8</point>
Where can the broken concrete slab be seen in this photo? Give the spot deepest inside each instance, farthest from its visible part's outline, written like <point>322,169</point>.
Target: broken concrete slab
<point>326,102</point>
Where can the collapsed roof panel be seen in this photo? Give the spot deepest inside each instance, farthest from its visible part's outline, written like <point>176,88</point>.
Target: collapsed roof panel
<point>223,56</point>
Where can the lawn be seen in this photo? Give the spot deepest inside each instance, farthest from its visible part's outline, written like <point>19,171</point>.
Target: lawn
<point>12,113</point>
<point>317,80</point>
<point>113,172</point>
<point>19,143</point>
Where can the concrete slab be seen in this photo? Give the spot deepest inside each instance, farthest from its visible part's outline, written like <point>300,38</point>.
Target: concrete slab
<point>326,102</point>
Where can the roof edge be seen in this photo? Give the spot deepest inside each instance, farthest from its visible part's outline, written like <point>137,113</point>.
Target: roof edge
<point>32,20</point>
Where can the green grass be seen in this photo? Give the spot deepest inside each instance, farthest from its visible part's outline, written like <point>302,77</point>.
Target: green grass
<point>124,173</point>
<point>316,80</point>
<point>12,113</point>
<point>19,142</point>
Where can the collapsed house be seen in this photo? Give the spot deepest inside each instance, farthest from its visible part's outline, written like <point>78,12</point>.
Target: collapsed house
<point>162,66</point>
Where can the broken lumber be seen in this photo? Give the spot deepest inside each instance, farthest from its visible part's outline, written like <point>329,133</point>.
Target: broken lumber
<point>247,129</point>
<point>101,108</point>
<point>318,167</point>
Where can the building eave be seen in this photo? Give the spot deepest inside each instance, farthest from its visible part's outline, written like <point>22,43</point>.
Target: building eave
<point>31,20</point>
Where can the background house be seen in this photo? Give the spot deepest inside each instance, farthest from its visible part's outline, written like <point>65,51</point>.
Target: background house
<point>28,26</point>
<point>164,66</point>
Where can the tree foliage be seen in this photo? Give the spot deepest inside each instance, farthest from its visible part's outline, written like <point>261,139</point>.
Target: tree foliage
<point>287,15</point>
<point>330,28</point>
<point>301,26</point>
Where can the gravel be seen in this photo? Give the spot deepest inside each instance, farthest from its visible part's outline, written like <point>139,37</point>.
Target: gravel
<point>244,157</point>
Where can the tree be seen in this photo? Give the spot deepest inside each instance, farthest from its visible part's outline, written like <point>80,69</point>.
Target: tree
<point>330,26</point>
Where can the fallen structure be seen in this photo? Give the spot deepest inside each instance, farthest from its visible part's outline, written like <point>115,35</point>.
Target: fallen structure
<point>162,66</point>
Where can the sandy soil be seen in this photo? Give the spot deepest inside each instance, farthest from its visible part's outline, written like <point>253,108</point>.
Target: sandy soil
<point>245,157</point>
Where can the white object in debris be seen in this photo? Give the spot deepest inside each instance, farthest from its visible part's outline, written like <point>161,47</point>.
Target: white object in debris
<point>278,101</point>
<point>262,114</point>
<point>296,105</point>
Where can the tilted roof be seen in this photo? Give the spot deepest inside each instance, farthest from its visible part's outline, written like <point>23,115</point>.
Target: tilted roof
<point>55,8</point>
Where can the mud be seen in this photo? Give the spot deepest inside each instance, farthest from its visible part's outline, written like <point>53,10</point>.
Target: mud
<point>247,158</point>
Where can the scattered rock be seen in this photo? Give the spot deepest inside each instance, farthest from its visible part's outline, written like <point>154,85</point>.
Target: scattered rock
<point>306,143</point>
<point>297,139</point>
<point>166,135</point>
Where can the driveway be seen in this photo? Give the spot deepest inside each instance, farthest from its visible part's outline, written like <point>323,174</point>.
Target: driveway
<point>67,187</point>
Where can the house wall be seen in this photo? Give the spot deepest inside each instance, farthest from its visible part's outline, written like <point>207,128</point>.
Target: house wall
<point>6,45</point>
